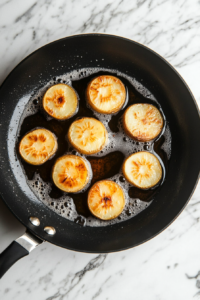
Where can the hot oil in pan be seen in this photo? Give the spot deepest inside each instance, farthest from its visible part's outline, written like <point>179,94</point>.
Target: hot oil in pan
<point>106,164</point>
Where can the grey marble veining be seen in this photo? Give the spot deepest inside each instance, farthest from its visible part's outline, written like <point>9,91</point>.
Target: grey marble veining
<point>168,266</point>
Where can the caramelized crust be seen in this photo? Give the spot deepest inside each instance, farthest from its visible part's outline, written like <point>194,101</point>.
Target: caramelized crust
<point>143,122</point>
<point>106,200</point>
<point>87,135</point>
<point>71,173</point>
<point>142,169</point>
<point>106,94</point>
<point>37,146</point>
<point>60,101</point>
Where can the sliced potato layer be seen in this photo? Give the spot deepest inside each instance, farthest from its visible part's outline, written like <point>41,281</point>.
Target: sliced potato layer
<point>37,146</point>
<point>87,135</point>
<point>106,94</point>
<point>142,122</point>
<point>142,169</point>
<point>106,200</point>
<point>71,173</point>
<point>60,101</point>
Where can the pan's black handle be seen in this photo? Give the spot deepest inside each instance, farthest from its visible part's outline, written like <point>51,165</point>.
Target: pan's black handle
<point>10,255</point>
<point>16,250</point>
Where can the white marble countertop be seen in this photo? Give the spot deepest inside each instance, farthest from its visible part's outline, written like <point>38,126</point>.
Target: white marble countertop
<point>155,270</point>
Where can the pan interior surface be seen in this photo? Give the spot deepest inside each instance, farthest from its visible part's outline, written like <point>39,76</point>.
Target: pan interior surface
<point>178,105</point>
<point>106,164</point>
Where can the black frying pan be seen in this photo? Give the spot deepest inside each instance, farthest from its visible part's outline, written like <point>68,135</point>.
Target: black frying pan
<point>179,107</point>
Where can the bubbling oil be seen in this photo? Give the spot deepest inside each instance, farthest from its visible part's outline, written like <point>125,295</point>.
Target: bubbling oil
<point>107,164</point>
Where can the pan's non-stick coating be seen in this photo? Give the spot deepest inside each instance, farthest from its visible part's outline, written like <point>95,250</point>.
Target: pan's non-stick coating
<point>179,107</point>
